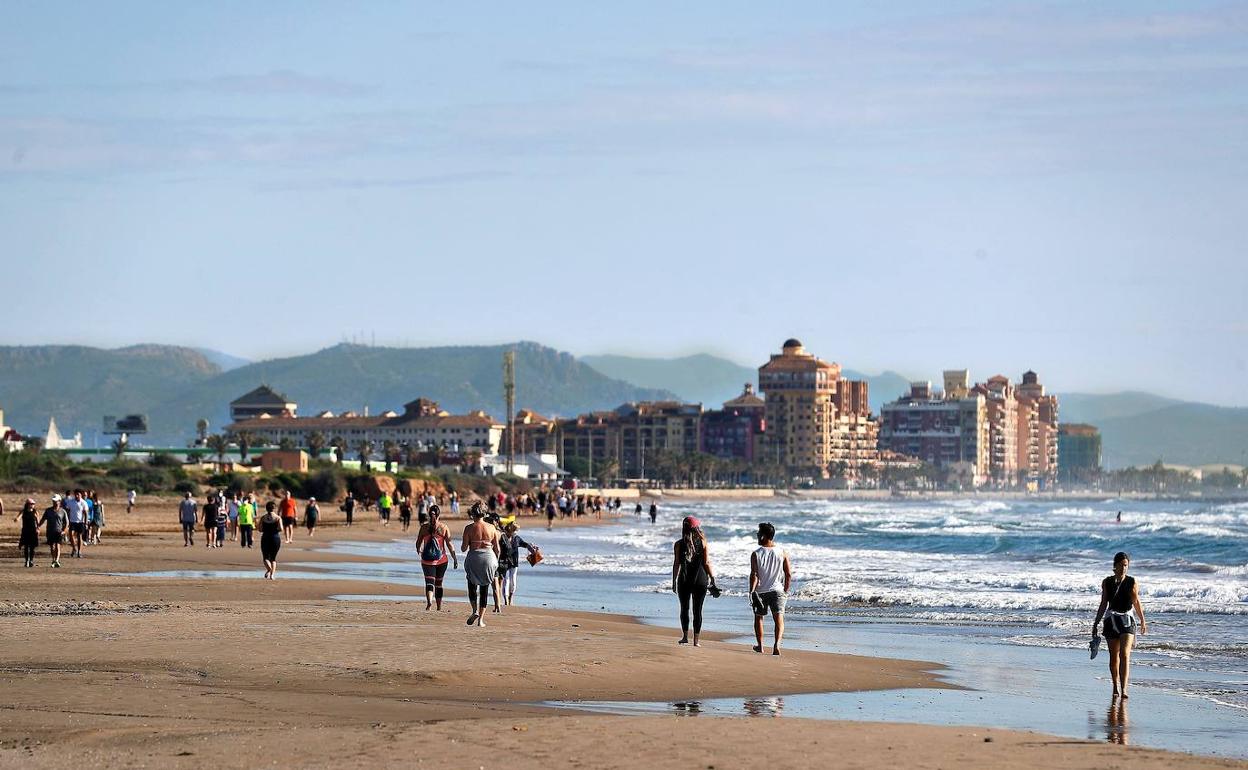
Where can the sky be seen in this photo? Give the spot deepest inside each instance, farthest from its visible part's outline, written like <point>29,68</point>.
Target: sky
<point>911,186</point>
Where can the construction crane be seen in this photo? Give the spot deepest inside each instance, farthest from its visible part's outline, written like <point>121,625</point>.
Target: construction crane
<point>509,395</point>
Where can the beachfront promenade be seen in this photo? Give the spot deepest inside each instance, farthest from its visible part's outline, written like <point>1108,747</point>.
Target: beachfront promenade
<point>105,668</point>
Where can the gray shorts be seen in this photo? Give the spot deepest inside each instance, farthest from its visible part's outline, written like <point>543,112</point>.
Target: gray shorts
<point>768,602</point>
<point>481,567</point>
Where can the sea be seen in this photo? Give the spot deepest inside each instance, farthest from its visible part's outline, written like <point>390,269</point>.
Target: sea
<point>1000,593</point>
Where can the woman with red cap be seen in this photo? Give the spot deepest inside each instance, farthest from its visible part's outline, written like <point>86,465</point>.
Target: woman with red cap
<point>691,576</point>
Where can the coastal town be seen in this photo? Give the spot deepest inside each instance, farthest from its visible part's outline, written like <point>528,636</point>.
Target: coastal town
<point>803,423</point>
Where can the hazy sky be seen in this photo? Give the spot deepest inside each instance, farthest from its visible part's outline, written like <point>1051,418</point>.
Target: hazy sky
<point>999,186</point>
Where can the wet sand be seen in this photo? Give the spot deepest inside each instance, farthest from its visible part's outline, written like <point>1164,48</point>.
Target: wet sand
<point>106,669</point>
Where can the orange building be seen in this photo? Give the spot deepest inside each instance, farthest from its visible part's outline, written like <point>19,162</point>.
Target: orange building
<point>818,423</point>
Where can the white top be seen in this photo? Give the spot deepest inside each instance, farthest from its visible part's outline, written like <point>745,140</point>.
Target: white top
<point>770,561</point>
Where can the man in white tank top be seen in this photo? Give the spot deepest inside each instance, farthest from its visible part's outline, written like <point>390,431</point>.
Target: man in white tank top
<point>770,577</point>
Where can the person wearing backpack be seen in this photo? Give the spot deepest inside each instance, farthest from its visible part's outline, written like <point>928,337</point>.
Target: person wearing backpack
<point>433,543</point>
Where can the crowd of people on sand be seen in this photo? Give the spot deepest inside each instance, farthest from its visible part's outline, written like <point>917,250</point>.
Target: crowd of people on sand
<point>491,544</point>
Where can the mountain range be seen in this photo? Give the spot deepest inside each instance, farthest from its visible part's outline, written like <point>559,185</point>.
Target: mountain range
<point>175,386</point>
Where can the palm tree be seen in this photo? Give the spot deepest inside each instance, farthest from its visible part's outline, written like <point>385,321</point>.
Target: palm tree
<point>218,444</point>
<point>286,444</point>
<point>201,430</point>
<point>316,442</point>
<point>390,452</point>
<point>119,446</point>
<point>340,447</point>
<point>364,448</point>
<point>244,439</point>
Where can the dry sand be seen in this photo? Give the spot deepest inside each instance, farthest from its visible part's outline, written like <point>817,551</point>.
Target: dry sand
<point>110,670</point>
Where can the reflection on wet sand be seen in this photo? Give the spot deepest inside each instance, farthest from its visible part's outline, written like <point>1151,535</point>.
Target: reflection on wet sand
<point>764,707</point>
<point>690,707</point>
<point>1116,722</point>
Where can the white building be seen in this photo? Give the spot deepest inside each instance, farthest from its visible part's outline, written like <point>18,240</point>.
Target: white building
<point>54,440</point>
<point>423,424</point>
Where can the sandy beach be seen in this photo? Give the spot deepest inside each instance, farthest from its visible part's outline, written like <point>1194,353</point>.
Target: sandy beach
<point>106,669</point>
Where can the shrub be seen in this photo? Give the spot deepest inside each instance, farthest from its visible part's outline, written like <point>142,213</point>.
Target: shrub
<point>183,487</point>
<point>164,461</point>
<point>232,482</point>
<point>323,485</point>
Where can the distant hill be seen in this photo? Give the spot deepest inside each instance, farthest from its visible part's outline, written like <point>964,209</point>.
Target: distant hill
<point>79,385</point>
<point>177,386</point>
<point>1096,407</point>
<point>226,361</point>
<point>1183,434</point>
<point>712,380</point>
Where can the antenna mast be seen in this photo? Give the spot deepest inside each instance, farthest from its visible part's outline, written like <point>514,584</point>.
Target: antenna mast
<point>509,394</point>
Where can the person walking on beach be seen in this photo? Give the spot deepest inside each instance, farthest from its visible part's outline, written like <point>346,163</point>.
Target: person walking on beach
<point>770,578</point>
<point>311,515</point>
<point>637,509</point>
<point>481,564</point>
<point>188,514</point>
<point>654,512</point>
<point>405,511</point>
<point>131,496</point>
<point>76,513</point>
<point>288,510</point>
<point>246,522</point>
<point>453,496</point>
<point>210,520</point>
<point>223,518</point>
<point>433,543</point>
<point>1119,595</point>
<point>383,509</point>
<point>348,507</point>
<point>551,512</point>
<point>29,539</point>
<point>54,520</point>
<point>231,515</point>
<point>95,521</point>
<point>271,526</point>
<point>509,545</point>
<point>691,576</point>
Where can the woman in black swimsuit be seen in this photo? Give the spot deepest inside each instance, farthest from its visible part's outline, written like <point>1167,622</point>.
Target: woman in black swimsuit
<point>691,576</point>
<point>1119,595</point>
<point>270,538</point>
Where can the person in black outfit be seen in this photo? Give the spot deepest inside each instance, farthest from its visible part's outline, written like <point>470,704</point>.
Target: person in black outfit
<point>29,539</point>
<point>270,538</point>
<point>654,512</point>
<point>348,507</point>
<point>1119,595</point>
<point>691,576</point>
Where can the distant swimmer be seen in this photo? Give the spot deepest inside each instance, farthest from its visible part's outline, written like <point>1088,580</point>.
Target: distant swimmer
<point>1119,595</point>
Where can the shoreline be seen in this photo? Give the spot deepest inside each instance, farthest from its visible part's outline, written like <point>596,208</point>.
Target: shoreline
<point>152,670</point>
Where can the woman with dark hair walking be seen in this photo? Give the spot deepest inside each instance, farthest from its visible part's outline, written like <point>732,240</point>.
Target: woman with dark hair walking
<point>692,576</point>
<point>271,526</point>
<point>29,539</point>
<point>1119,595</point>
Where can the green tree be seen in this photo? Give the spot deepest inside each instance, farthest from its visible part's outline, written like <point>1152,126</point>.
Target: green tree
<point>286,444</point>
<point>316,443</point>
<point>119,447</point>
<point>201,430</point>
<point>340,448</point>
<point>219,445</point>
<point>364,450</point>
<point>245,439</point>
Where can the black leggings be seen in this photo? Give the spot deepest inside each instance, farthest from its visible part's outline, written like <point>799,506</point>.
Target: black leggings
<point>695,594</point>
<point>484,592</point>
<point>433,578</point>
<point>28,551</point>
<point>244,538</point>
